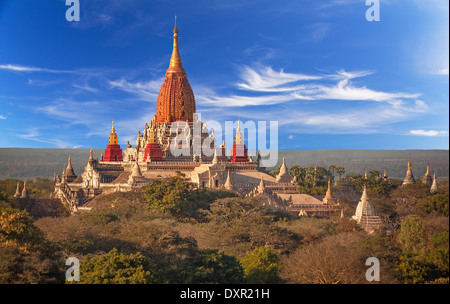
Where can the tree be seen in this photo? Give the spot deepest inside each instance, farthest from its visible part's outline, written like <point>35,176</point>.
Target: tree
<point>116,268</point>
<point>412,236</point>
<point>17,230</point>
<point>211,267</point>
<point>340,171</point>
<point>167,196</point>
<point>176,196</point>
<point>26,256</point>
<point>425,255</point>
<point>332,169</point>
<point>237,225</point>
<point>261,266</point>
<point>330,261</point>
<point>438,202</point>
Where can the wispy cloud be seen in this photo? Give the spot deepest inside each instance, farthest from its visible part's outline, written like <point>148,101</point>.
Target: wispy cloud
<point>265,79</point>
<point>145,90</point>
<point>2,117</point>
<point>34,135</point>
<point>443,71</point>
<point>288,87</point>
<point>304,102</point>
<point>428,133</point>
<point>317,31</point>
<point>29,69</point>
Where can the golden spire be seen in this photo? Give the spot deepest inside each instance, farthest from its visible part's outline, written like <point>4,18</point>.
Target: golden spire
<point>428,170</point>
<point>113,140</point>
<point>175,61</point>
<point>69,163</point>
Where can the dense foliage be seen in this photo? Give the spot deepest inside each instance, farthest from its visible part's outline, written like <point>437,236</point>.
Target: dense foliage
<point>173,233</point>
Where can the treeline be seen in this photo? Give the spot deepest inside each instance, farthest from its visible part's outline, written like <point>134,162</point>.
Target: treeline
<point>359,161</point>
<point>31,163</point>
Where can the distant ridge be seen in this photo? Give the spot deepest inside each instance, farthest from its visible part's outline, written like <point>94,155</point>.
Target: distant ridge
<point>21,163</point>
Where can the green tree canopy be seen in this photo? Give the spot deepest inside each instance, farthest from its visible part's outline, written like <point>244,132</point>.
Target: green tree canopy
<point>211,267</point>
<point>116,268</point>
<point>261,266</point>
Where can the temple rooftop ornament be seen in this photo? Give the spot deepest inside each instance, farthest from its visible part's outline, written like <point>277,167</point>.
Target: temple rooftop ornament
<point>261,186</point>
<point>17,194</point>
<point>69,173</point>
<point>434,187</point>
<point>409,178</point>
<point>328,199</point>
<point>24,191</point>
<point>113,152</point>
<point>228,185</point>
<point>427,179</point>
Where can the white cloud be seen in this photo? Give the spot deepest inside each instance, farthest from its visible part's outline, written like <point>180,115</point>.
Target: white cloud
<point>28,69</point>
<point>34,135</point>
<point>2,117</point>
<point>265,79</point>
<point>318,31</point>
<point>428,133</point>
<point>19,68</point>
<point>287,87</point>
<point>443,71</point>
<point>146,90</point>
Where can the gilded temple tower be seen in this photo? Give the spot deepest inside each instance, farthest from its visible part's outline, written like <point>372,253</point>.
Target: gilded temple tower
<point>176,100</point>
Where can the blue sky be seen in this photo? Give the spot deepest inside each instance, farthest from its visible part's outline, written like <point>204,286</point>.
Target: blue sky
<point>329,77</point>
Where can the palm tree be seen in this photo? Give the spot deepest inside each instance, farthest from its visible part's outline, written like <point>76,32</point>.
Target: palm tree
<point>340,171</point>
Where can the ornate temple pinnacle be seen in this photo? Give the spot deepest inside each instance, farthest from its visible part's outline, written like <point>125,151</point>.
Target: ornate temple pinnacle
<point>113,140</point>
<point>175,61</point>
<point>176,99</point>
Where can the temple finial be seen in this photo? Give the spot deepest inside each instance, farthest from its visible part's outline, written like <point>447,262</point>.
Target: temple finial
<point>175,61</point>
<point>175,29</point>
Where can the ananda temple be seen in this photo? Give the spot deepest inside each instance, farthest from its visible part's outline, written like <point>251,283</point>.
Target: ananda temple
<point>153,156</point>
